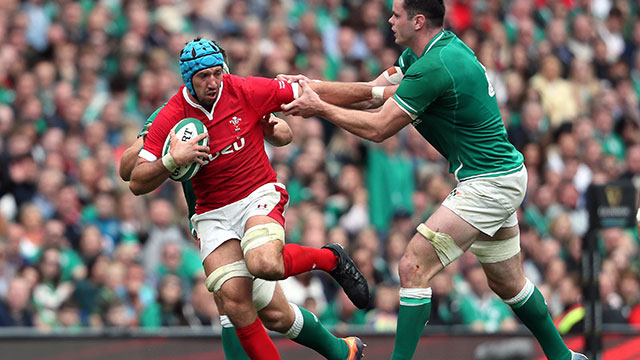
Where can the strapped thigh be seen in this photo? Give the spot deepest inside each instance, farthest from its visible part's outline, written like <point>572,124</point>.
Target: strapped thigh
<point>225,272</point>
<point>493,251</point>
<point>261,234</point>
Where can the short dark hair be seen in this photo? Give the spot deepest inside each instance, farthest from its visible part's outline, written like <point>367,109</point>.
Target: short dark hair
<point>433,10</point>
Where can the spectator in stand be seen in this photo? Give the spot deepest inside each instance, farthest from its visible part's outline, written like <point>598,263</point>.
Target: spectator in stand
<point>15,308</point>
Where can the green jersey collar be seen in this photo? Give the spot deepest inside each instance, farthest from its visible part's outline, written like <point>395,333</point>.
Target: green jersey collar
<point>432,42</point>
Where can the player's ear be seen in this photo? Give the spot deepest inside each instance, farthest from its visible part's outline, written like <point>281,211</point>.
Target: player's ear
<point>419,22</point>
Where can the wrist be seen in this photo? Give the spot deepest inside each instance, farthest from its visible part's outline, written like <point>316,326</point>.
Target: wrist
<point>377,92</point>
<point>169,162</point>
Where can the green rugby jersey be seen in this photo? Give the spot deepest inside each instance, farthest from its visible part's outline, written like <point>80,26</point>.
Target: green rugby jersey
<point>448,95</point>
<point>187,187</point>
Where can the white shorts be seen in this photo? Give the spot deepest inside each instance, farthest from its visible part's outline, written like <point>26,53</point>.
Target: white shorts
<point>217,226</point>
<point>489,203</point>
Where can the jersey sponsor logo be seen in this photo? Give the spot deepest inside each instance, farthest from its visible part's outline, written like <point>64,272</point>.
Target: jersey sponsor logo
<point>235,121</point>
<point>229,149</point>
<point>454,192</point>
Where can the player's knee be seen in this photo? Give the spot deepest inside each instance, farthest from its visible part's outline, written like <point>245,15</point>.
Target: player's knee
<point>237,305</point>
<point>235,302</point>
<point>275,319</point>
<point>504,289</point>
<point>409,270</point>
<point>264,266</point>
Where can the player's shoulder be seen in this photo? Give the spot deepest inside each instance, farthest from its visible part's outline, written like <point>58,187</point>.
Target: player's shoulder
<point>230,80</point>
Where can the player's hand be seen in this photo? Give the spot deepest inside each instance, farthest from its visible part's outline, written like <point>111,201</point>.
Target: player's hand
<point>307,105</point>
<point>187,152</point>
<point>268,124</point>
<point>292,78</point>
<point>146,131</point>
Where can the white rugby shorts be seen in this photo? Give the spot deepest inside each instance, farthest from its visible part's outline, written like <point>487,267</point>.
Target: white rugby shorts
<point>217,226</point>
<point>489,203</point>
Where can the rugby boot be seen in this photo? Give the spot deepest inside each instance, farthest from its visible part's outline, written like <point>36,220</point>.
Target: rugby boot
<point>349,277</point>
<point>356,348</point>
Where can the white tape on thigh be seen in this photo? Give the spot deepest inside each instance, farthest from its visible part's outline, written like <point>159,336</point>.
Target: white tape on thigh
<point>446,248</point>
<point>225,272</point>
<point>489,252</point>
<point>261,234</point>
<point>262,293</point>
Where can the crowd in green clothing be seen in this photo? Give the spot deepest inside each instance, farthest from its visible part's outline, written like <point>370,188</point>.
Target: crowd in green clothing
<point>78,79</point>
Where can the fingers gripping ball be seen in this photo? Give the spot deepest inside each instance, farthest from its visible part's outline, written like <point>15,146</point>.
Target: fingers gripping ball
<point>186,130</point>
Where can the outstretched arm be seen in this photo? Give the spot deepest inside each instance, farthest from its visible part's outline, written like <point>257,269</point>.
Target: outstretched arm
<point>356,95</point>
<point>276,131</point>
<point>372,126</point>
<point>345,94</point>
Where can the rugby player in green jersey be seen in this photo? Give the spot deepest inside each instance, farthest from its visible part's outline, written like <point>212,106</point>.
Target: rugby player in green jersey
<point>445,94</point>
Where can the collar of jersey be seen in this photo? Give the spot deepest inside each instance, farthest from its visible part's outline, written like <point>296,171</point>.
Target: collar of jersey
<point>208,114</point>
<point>433,42</point>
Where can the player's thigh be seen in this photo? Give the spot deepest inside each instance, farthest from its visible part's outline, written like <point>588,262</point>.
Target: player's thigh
<point>263,239</point>
<point>227,275</point>
<point>226,253</point>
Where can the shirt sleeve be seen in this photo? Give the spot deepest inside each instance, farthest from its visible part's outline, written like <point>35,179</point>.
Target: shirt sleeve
<point>150,120</point>
<point>420,87</point>
<point>266,95</point>
<point>162,124</point>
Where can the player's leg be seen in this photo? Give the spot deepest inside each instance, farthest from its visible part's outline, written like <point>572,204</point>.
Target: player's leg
<point>268,257</point>
<point>230,343</point>
<point>228,277</point>
<point>500,259</point>
<point>303,327</point>
<point>441,240</point>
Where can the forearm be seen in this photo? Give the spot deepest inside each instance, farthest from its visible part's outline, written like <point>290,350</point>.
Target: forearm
<point>360,123</point>
<point>128,159</point>
<point>342,94</point>
<point>148,176</point>
<point>374,103</point>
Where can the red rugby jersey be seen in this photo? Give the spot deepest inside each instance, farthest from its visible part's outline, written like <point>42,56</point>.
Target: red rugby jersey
<point>238,163</point>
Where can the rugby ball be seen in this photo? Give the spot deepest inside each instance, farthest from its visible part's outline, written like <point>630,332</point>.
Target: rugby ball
<point>186,130</point>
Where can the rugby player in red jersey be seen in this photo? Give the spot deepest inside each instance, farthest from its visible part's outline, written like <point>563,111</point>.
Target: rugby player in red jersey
<point>240,206</point>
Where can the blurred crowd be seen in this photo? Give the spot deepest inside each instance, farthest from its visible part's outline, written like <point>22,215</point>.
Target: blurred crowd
<point>79,78</point>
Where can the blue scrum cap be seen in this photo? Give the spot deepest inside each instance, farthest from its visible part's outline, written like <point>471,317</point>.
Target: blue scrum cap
<point>198,55</point>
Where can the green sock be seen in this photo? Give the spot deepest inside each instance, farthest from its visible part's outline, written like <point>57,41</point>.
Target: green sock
<point>308,331</point>
<point>529,305</point>
<point>415,306</point>
<point>230,343</point>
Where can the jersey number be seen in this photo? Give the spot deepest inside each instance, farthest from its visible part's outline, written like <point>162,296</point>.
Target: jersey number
<point>491,90</point>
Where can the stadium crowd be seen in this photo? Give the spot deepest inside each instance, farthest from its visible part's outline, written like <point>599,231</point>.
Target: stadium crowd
<point>79,78</point>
